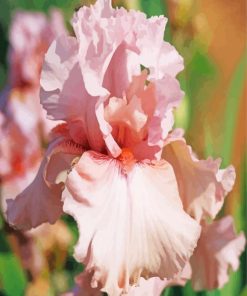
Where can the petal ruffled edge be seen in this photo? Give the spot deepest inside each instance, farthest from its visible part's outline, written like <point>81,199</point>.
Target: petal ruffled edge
<point>202,185</point>
<point>41,201</point>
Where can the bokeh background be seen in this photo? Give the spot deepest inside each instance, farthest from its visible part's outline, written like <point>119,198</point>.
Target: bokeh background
<point>211,36</point>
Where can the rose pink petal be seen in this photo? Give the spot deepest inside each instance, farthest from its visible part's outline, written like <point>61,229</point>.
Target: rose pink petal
<point>218,251</point>
<point>202,185</point>
<point>143,229</point>
<point>41,201</point>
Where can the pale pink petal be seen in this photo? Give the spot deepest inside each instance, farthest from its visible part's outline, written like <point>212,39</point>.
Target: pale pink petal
<point>82,74</point>
<point>41,201</point>
<point>169,95</point>
<point>109,39</point>
<point>131,115</point>
<point>63,93</point>
<point>142,228</point>
<point>154,286</point>
<point>122,120</point>
<point>60,75</point>
<point>160,57</point>
<point>168,62</point>
<point>142,119</point>
<point>120,71</point>
<point>150,287</point>
<point>99,34</point>
<point>202,185</point>
<point>218,251</point>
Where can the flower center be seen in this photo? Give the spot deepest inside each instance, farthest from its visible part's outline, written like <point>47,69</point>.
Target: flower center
<point>127,159</point>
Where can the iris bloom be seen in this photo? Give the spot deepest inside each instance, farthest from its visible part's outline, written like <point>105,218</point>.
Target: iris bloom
<point>134,187</point>
<point>20,110</point>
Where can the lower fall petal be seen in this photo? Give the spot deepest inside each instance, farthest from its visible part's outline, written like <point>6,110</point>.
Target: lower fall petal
<point>41,201</point>
<point>131,224</point>
<point>218,250</point>
<point>202,185</point>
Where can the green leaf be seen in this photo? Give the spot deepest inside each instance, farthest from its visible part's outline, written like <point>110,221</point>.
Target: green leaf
<point>200,77</point>
<point>232,108</point>
<point>244,292</point>
<point>152,8</point>
<point>166,292</point>
<point>12,277</point>
<point>199,70</point>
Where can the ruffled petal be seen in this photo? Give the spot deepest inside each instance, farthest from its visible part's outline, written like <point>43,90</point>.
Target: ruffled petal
<point>61,81</point>
<point>168,96</point>
<point>202,185</point>
<point>150,287</point>
<point>114,43</point>
<point>81,74</point>
<point>63,92</point>
<point>142,228</point>
<point>41,201</point>
<point>142,119</point>
<point>168,61</point>
<point>154,286</point>
<point>218,251</point>
<point>160,57</point>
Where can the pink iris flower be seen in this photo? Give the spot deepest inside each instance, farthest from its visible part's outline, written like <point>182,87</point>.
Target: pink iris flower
<point>24,127</point>
<point>137,192</point>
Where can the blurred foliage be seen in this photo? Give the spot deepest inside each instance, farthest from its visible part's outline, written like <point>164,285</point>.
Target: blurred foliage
<point>198,80</point>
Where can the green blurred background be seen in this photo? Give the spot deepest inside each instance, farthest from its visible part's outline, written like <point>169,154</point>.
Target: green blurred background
<point>211,36</point>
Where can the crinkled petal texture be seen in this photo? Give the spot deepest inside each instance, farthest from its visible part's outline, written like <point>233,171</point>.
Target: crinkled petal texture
<point>218,251</point>
<point>95,78</point>
<point>151,287</point>
<point>41,201</point>
<point>142,120</point>
<point>146,230</point>
<point>154,286</point>
<point>202,185</point>
<point>115,37</point>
